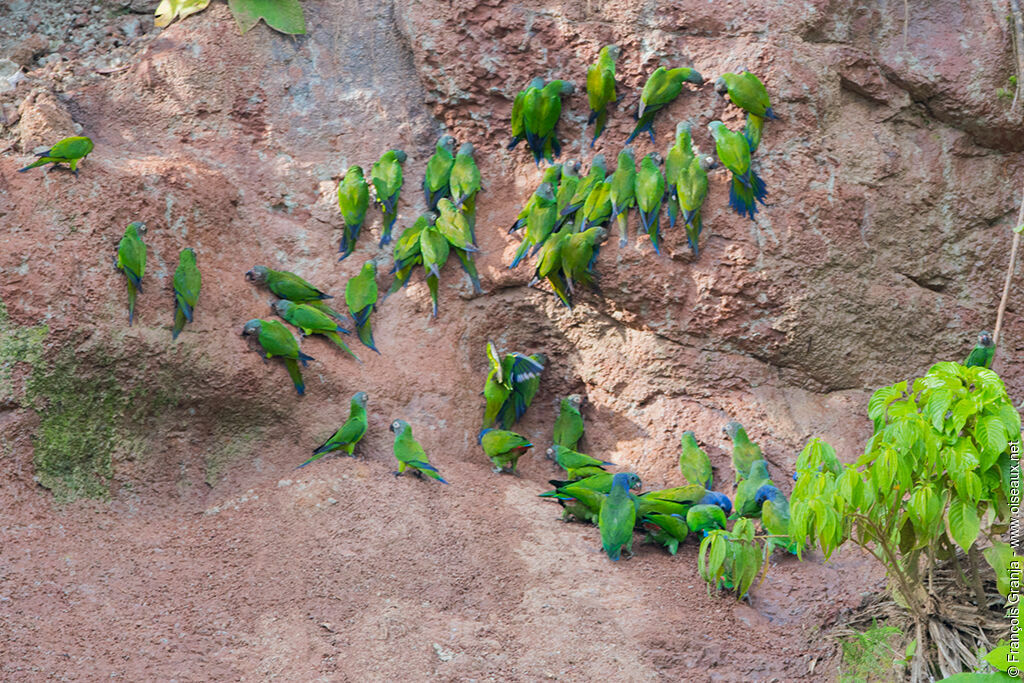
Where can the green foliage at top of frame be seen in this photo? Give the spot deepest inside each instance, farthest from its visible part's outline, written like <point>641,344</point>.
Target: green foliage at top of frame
<point>281,15</point>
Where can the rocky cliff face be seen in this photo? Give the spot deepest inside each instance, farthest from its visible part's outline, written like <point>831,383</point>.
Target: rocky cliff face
<point>893,175</point>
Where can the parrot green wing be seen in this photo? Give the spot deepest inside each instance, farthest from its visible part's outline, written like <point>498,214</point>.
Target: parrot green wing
<point>276,340</point>
<point>616,521</point>
<point>311,320</point>
<point>187,282</point>
<point>650,185</point>
<point>465,178</point>
<point>745,503</point>
<point>72,148</point>
<point>568,426</point>
<point>694,462</point>
<point>353,197</point>
<point>361,291</point>
<point>435,249</point>
<point>292,287</point>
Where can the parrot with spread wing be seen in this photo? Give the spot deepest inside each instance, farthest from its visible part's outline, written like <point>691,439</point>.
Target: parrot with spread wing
<point>511,383</point>
<point>274,340</point>
<point>350,433</point>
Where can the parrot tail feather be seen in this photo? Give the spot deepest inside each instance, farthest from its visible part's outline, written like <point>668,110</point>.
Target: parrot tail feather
<point>304,359</point>
<point>179,323</point>
<point>769,114</point>
<point>742,198</point>
<point>295,374</point>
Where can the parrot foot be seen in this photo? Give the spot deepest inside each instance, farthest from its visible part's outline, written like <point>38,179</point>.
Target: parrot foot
<point>397,473</point>
<point>498,470</point>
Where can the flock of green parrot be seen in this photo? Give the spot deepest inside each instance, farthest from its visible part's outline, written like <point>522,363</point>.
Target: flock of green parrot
<point>563,220</point>
<point>563,225</point>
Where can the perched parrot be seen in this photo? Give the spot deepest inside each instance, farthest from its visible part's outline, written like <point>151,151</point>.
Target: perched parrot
<point>435,249</point>
<point>504,448</point>
<point>582,503</point>
<point>353,200</point>
<point>775,518</point>
<point>744,451</point>
<point>694,462</point>
<point>552,175</point>
<point>617,518</point>
<point>747,92</point>
<point>290,286</point>
<point>601,87</point>
<point>361,299</point>
<point>131,260</point>
<point>734,152</point>
<point>465,185</point>
<point>703,518</point>
<point>576,465</point>
<point>68,151</point>
<point>410,453</point>
<point>569,424</point>
<point>312,321</point>
<point>579,255</point>
<point>186,290</point>
<point>407,253</point>
<point>981,355</point>
<point>539,224</point>
<point>507,374</point>
<point>549,264</point>
<point>691,190</point>
<point>454,226</point>
<point>350,433</point>
<point>650,191</point>
<point>746,490</point>
<point>667,530</point>
<point>274,339</point>
<point>518,124</point>
<point>437,177</point>
<point>386,175</point>
<point>596,176</point>
<point>598,207</point>
<point>540,117</point>
<point>567,185</point>
<point>623,192</point>
<point>663,86</point>
<point>678,156</point>
<point>752,132</point>
<point>602,483</point>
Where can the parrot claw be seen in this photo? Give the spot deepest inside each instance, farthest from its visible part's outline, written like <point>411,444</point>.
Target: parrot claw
<point>396,473</point>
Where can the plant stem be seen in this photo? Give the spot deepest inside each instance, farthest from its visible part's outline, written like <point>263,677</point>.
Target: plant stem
<point>979,589</point>
<point>1017,39</point>
<point>1009,278</point>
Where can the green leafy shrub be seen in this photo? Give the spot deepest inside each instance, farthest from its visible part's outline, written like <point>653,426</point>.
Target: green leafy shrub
<point>281,15</point>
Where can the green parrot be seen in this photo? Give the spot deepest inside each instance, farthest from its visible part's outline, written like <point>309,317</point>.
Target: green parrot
<point>454,225</point>
<point>361,299</point>
<point>752,132</point>
<point>410,453</point>
<point>576,465</point>
<point>523,392</point>
<point>691,191</point>
<point>552,175</point>
<point>617,518</point>
<point>386,176</point>
<point>623,192</point>
<point>511,383</point>
<point>503,447</point>
<point>981,355</point>
<point>650,191</point>
<point>465,185</point>
<point>567,185</point>
<point>747,92</point>
<point>518,124</point>
<point>539,224</point>
<point>131,260</point>
<point>775,518</point>
<point>579,255</point>
<point>290,286</point>
<point>598,207</point>
<point>678,156</point>
<point>540,117</point>
<point>582,503</point>
<point>602,483</point>
<point>746,490</point>
<point>437,177</point>
<point>435,248</point>
<point>310,320</point>
<point>596,176</point>
<point>274,339</point>
<point>667,530</point>
<point>569,424</point>
<point>68,151</point>
<point>704,517</point>
<point>353,200</point>
<point>549,264</point>
<point>350,433</point>
<point>663,86</point>
<point>648,505</point>
<point>694,462</point>
<point>407,253</point>
<point>734,152</point>
<point>186,290</point>
<point>601,87</point>
<point>744,451</point>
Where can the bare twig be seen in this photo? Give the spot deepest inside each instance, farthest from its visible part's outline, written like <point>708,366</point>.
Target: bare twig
<point>1009,275</point>
<point>1018,49</point>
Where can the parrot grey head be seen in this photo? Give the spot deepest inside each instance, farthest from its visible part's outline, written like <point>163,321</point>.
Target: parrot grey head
<point>716,128</point>
<point>741,69</point>
<point>281,306</point>
<point>707,163</point>
<point>550,453</point>
<point>447,142</point>
<point>732,429</point>
<point>251,327</point>
<point>656,158</point>
<point>431,217</point>
<point>683,127</point>
<point>258,274</point>
<point>694,77</point>
<point>537,83</point>
<point>138,226</point>
<point>401,156</point>
<point>720,87</point>
<point>598,162</point>
<point>355,170</point>
<point>361,398</point>
<point>571,167</point>
<point>985,339</point>
<point>600,235</point>
<point>568,87</point>
<point>398,425</point>
<point>545,191</point>
<point>614,51</point>
<point>466,149</point>
<point>370,266</point>
<point>575,400</point>
<point>628,151</point>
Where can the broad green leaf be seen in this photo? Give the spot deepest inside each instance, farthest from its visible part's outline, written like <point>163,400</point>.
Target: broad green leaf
<point>998,677</point>
<point>1010,419</point>
<point>167,10</point>
<point>999,556</point>
<point>882,398</point>
<point>963,522</point>
<point>990,434</point>
<point>999,657</point>
<point>963,410</point>
<point>937,406</point>
<point>281,15</point>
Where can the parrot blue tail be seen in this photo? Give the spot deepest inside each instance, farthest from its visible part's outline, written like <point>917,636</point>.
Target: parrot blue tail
<point>520,254</point>
<point>515,141</point>
<point>304,359</point>
<point>769,114</point>
<point>742,198</point>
